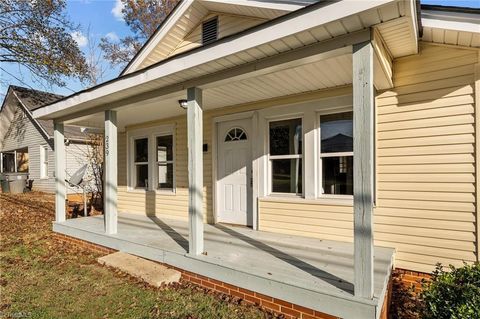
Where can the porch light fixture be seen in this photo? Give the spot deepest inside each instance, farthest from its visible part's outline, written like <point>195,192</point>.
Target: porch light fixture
<point>183,104</point>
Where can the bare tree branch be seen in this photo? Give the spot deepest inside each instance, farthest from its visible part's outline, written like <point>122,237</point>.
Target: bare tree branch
<point>37,35</point>
<point>143,17</point>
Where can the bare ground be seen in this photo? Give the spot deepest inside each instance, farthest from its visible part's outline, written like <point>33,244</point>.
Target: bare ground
<point>43,278</point>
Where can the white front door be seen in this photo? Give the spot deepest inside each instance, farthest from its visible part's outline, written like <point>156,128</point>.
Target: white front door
<point>234,172</point>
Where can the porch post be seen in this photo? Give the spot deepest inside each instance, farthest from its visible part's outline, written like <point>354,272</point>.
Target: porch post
<point>110,171</point>
<point>60,186</point>
<point>363,169</point>
<point>1,162</point>
<point>195,170</point>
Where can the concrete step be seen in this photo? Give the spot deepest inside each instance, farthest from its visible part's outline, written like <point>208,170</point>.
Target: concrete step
<point>151,272</point>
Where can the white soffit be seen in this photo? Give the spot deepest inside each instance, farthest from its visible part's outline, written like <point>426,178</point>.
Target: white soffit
<point>401,34</point>
<point>454,28</point>
<point>316,24</point>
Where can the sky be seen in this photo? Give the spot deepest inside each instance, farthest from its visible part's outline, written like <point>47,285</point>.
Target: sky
<point>103,18</point>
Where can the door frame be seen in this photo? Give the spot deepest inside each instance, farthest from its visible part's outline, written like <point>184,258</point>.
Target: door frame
<point>231,117</point>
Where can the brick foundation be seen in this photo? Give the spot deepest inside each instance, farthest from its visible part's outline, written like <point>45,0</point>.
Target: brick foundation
<point>82,244</point>
<point>277,306</point>
<point>410,278</point>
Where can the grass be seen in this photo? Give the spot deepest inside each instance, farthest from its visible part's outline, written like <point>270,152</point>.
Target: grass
<point>41,278</point>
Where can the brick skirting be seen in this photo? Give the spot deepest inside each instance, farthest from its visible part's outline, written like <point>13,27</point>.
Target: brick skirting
<point>277,306</point>
<point>84,244</point>
<point>411,278</point>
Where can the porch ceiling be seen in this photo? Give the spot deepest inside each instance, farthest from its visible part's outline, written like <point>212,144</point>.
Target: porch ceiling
<point>306,36</point>
<point>332,72</point>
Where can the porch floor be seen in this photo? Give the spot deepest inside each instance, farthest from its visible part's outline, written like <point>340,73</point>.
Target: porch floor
<point>309,272</point>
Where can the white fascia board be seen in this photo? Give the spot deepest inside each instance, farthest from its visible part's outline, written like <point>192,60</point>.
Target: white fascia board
<point>157,38</point>
<point>273,5</point>
<point>451,25</point>
<point>456,21</point>
<point>270,32</point>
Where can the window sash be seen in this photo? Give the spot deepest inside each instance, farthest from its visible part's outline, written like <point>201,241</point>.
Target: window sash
<point>150,161</point>
<point>274,157</point>
<point>291,156</point>
<point>339,154</point>
<point>164,162</point>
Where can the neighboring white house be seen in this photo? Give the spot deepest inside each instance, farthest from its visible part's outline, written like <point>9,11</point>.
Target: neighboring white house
<point>341,138</point>
<point>26,144</point>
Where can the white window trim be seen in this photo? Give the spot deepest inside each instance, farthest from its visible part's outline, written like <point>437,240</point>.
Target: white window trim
<point>289,156</point>
<point>150,133</point>
<point>320,155</point>
<point>43,168</point>
<point>310,112</point>
<point>173,161</point>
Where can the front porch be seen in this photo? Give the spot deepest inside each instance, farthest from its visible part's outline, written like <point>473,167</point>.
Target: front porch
<point>308,272</point>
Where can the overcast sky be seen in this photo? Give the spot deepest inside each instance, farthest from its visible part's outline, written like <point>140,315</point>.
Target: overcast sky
<point>104,18</point>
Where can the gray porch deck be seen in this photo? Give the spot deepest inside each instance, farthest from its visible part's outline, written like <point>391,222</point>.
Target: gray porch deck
<point>313,273</point>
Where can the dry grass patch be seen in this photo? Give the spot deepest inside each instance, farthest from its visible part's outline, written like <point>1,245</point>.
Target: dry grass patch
<point>41,277</point>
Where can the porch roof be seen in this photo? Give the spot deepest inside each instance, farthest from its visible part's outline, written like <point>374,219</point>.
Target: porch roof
<point>258,50</point>
<point>310,272</point>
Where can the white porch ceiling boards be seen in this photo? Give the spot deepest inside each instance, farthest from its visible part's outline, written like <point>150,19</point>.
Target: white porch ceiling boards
<point>288,35</point>
<point>332,72</point>
<point>336,71</point>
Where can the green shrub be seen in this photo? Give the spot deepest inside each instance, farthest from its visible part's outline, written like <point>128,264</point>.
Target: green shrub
<point>453,293</point>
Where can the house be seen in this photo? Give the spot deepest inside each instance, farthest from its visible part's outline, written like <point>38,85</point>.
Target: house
<point>229,151</point>
<point>26,144</point>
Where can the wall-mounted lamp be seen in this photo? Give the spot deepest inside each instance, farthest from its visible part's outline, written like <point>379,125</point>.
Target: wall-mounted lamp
<point>183,104</point>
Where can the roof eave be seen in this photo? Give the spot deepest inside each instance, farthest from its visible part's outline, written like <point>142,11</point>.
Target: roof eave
<point>339,10</point>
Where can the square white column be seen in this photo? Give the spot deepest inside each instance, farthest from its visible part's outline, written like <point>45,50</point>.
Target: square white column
<point>363,168</point>
<point>195,170</point>
<point>110,173</point>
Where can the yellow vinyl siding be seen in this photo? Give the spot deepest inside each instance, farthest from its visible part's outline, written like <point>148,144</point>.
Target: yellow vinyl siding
<point>425,167</point>
<point>426,159</point>
<point>227,25</point>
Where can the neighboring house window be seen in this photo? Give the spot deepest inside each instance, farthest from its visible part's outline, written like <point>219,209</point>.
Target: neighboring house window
<point>336,153</point>
<point>285,157</point>
<point>210,30</point>
<point>164,160</point>
<point>43,161</point>
<point>141,162</point>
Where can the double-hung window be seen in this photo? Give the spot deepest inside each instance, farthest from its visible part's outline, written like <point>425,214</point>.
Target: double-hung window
<point>164,161</point>
<point>285,156</point>
<point>141,162</point>
<point>336,153</point>
<point>152,159</point>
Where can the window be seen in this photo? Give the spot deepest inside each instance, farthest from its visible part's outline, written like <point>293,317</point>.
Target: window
<point>336,153</point>
<point>285,145</point>
<point>141,162</point>
<point>165,162</point>
<point>236,134</point>
<point>210,30</point>
<point>151,159</point>
<point>43,161</point>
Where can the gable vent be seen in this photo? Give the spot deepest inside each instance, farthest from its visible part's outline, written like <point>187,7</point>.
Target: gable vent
<point>210,30</point>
